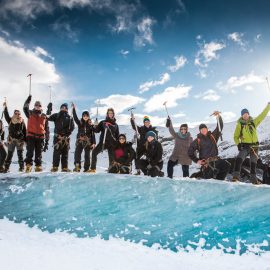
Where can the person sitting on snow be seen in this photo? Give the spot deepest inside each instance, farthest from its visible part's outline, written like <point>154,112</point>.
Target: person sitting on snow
<point>205,145</point>
<point>246,139</point>
<point>123,154</point>
<point>153,151</point>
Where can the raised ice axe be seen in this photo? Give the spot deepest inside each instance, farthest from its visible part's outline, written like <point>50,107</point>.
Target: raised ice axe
<point>30,83</point>
<point>165,104</point>
<point>217,115</point>
<point>136,127</point>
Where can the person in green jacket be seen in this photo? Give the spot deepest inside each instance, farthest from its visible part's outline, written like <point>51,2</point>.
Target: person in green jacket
<point>246,139</point>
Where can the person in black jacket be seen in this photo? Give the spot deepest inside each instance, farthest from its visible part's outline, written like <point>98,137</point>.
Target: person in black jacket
<point>123,155</point>
<point>142,130</point>
<point>3,152</point>
<point>64,125</point>
<point>205,145</point>
<point>86,140</point>
<point>16,137</point>
<point>108,137</point>
<point>37,132</point>
<point>153,151</point>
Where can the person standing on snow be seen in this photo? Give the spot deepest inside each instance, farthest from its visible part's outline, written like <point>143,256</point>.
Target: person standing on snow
<point>86,140</point>
<point>123,154</point>
<point>108,138</point>
<point>37,132</point>
<point>153,151</point>
<point>64,125</point>
<point>16,137</point>
<point>142,130</point>
<point>179,155</point>
<point>246,139</point>
<point>205,145</point>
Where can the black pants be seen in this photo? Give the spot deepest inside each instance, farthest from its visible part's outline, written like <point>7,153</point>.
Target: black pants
<point>97,150</point>
<point>12,145</point>
<point>154,171</point>
<point>170,166</point>
<point>122,169</point>
<point>60,153</point>
<point>34,146</point>
<point>3,155</point>
<point>78,153</point>
<point>216,169</point>
<point>139,154</point>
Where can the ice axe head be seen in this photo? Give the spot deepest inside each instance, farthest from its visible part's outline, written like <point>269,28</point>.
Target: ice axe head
<point>131,109</point>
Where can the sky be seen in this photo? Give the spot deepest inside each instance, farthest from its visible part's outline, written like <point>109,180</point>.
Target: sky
<point>199,56</point>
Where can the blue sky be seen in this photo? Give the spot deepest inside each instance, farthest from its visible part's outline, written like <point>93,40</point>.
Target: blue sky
<point>197,55</point>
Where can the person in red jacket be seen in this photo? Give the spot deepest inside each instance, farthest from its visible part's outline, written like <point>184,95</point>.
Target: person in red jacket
<point>37,133</point>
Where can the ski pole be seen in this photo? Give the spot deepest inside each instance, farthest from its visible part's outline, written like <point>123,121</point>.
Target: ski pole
<point>30,83</point>
<point>165,104</point>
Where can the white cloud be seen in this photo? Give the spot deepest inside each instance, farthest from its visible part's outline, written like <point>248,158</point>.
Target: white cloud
<point>25,8</point>
<point>118,102</point>
<point>237,82</point>
<point>124,119</point>
<point>4,32</point>
<point>180,62</point>
<point>228,116</point>
<point>147,85</point>
<point>124,53</point>
<point>144,34</point>
<point>258,38</point>
<point>238,39</point>
<point>16,63</point>
<point>208,52</point>
<point>179,115</point>
<point>170,94</point>
<point>41,52</point>
<point>201,73</point>
<point>210,95</point>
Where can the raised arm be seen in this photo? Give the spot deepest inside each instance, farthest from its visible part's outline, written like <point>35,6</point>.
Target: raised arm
<point>6,114</point>
<point>216,133</point>
<point>26,106</point>
<point>75,116</point>
<point>262,115</point>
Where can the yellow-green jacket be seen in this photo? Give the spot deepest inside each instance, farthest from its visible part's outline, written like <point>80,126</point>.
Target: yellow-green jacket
<point>246,131</point>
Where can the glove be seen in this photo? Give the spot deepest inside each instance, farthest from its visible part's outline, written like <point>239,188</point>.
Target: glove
<point>240,146</point>
<point>168,122</point>
<point>149,167</point>
<point>45,148</point>
<point>29,99</point>
<point>49,109</point>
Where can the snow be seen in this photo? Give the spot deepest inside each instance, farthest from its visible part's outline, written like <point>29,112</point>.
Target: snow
<point>22,248</point>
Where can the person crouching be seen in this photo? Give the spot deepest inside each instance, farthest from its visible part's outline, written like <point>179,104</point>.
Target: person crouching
<point>153,151</point>
<point>123,154</point>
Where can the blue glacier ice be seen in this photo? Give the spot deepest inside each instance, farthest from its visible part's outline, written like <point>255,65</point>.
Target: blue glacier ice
<point>171,214</point>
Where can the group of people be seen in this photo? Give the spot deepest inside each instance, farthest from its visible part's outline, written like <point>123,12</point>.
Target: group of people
<point>148,157</point>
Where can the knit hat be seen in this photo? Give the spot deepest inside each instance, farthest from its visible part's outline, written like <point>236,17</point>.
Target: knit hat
<point>146,118</point>
<point>150,133</point>
<point>201,126</point>
<point>38,103</point>
<point>244,111</point>
<point>184,126</point>
<point>85,113</point>
<point>122,135</point>
<point>64,105</point>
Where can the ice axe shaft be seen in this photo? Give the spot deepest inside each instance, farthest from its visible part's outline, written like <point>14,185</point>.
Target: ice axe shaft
<point>30,83</point>
<point>136,127</point>
<point>50,93</point>
<point>217,114</point>
<point>98,102</point>
<point>165,104</point>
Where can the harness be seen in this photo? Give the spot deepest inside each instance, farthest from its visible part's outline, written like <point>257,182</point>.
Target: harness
<point>211,137</point>
<point>85,141</point>
<point>62,142</point>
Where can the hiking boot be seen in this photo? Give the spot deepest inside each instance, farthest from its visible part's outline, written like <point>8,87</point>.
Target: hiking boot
<point>77,169</point>
<point>54,169</point>
<point>2,169</point>
<point>38,169</point>
<point>66,170</point>
<point>235,179</point>
<point>91,171</point>
<point>28,168</point>
<point>254,180</point>
<point>138,172</point>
